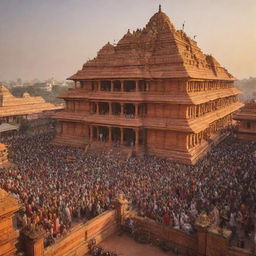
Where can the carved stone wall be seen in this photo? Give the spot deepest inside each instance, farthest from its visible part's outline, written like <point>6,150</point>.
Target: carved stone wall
<point>8,236</point>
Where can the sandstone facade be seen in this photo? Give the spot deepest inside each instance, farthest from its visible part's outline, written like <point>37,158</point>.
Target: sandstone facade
<point>9,237</point>
<point>155,92</point>
<point>13,109</point>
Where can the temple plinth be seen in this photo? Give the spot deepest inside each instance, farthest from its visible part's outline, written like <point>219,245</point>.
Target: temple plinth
<point>8,238</point>
<point>246,118</point>
<point>155,92</point>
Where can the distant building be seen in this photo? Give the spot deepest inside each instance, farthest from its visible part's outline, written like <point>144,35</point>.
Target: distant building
<point>46,86</point>
<point>247,121</point>
<point>14,110</point>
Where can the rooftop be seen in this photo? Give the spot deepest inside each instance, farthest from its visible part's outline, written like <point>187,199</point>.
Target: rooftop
<point>11,105</point>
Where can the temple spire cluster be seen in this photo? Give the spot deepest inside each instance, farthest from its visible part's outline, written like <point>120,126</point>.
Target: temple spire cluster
<point>154,92</point>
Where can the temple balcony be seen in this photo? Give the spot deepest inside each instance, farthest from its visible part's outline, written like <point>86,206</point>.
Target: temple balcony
<point>194,125</point>
<point>150,96</point>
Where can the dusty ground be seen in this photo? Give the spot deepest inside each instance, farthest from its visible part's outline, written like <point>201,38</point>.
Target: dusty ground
<point>126,246</point>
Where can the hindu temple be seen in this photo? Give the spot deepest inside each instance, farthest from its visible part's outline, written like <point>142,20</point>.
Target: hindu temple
<point>154,92</point>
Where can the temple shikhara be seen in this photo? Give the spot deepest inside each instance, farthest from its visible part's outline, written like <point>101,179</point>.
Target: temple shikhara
<point>154,92</point>
<point>247,121</point>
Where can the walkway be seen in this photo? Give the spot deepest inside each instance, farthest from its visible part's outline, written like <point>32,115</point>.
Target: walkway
<point>126,246</point>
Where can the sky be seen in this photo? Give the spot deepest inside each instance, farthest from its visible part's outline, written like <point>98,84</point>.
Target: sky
<point>54,38</point>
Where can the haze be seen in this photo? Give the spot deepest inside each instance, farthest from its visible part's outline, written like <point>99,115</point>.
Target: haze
<point>40,39</point>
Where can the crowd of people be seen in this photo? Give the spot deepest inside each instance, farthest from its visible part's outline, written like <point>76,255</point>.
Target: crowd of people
<point>59,186</point>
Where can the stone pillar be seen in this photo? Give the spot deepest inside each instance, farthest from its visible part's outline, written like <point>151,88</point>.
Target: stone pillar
<point>190,141</point>
<point>137,137</point>
<point>91,132</point>
<point>110,108</point>
<point>97,132</point>
<point>136,110</point>
<point>33,242</point>
<point>122,109</point>
<point>110,134</point>
<point>193,142</point>
<point>121,209</point>
<point>187,141</point>
<point>112,86</point>
<point>147,86</point>
<point>97,108</point>
<point>137,85</point>
<point>122,85</point>
<point>122,136</point>
<point>187,112</point>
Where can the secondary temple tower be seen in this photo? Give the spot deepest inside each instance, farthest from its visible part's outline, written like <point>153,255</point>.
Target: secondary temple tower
<point>155,92</point>
<point>247,121</point>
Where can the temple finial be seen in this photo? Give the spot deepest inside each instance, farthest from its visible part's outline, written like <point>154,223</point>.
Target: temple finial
<point>160,8</point>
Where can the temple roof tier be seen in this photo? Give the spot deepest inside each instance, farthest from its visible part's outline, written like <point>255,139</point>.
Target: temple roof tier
<point>12,106</point>
<point>156,51</point>
<point>175,97</point>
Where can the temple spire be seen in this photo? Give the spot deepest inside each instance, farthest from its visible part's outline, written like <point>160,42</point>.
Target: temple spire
<point>160,8</point>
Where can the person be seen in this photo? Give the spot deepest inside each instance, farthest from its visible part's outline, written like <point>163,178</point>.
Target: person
<point>55,193</point>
